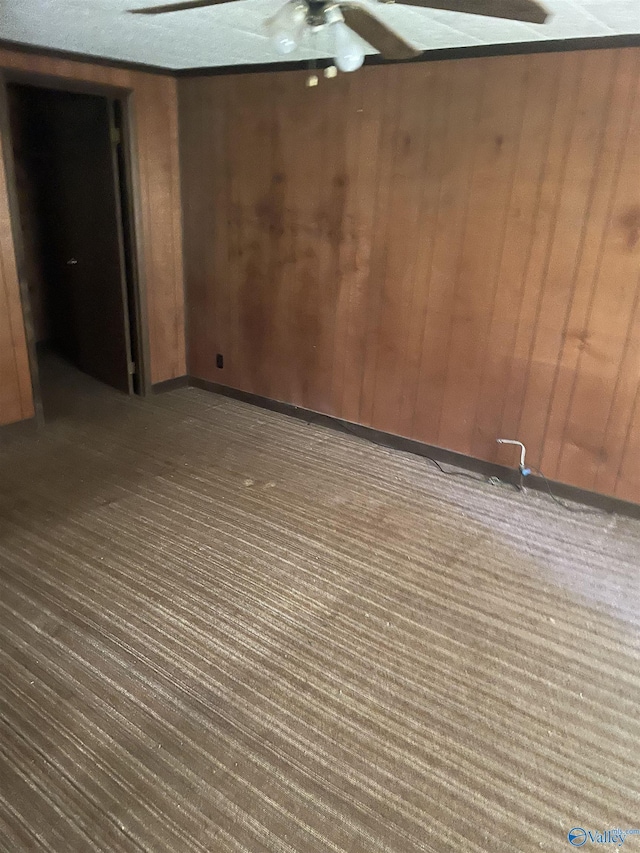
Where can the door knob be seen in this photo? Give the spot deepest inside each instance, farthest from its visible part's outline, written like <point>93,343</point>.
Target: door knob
<point>71,262</point>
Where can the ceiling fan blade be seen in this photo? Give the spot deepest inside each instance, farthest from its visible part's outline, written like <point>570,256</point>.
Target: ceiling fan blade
<point>375,33</point>
<point>517,10</point>
<point>176,7</point>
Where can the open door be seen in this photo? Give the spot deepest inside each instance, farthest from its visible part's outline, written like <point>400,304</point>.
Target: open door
<point>70,141</point>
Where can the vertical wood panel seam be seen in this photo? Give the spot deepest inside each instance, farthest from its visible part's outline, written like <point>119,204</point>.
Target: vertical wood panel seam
<point>536,209</point>
<point>326,259</point>
<point>228,201</point>
<point>175,177</point>
<point>335,405</point>
<point>428,142</point>
<point>141,108</point>
<point>627,344</point>
<point>228,100</point>
<point>574,283</point>
<point>348,325</point>
<point>551,239</point>
<point>634,408</point>
<point>370,322</point>
<point>596,276</point>
<point>174,283</point>
<point>385,264</point>
<point>455,283</point>
<point>500,254</point>
<point>438,197</point>
<point>275,237</point>
<point>386,253</point>
<point>635,89</point>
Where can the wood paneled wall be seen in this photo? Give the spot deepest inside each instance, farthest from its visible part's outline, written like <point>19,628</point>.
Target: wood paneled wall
<point>16,398</point>
<point>448,251</point>
<point>159,227</point>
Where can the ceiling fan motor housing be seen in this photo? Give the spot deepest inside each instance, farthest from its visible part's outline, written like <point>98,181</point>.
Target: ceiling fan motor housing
<point>316,14</point>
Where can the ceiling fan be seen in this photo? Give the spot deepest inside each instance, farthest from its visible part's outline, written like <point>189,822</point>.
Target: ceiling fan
<point>347,18</point>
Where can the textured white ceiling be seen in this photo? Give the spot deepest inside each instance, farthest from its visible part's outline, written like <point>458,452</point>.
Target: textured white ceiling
<point>232,34</point>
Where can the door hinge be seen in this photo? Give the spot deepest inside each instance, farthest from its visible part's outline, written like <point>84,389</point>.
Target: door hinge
<point>132,368</point>
<point>116,135</point>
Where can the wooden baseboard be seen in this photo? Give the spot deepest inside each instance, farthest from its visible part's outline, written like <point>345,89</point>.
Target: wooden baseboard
<point>18,429</point>
<point>170,385</point>
<point>563,491</point>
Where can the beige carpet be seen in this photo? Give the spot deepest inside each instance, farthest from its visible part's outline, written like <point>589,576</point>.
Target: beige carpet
<point>222,629</point>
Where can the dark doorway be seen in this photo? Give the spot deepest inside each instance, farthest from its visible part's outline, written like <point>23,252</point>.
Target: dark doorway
<point>76,228</point>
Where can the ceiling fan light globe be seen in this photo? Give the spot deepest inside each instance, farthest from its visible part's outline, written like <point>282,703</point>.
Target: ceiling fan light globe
<point>283,44</point>
<point>349,50</point>
<point>286,28</point>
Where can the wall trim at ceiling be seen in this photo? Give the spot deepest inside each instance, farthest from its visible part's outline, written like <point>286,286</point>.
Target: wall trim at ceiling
<point>470,52</point>
<point>73,56</point>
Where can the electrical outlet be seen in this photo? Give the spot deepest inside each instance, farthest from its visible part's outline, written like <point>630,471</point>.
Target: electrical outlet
<point>220,360</point>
